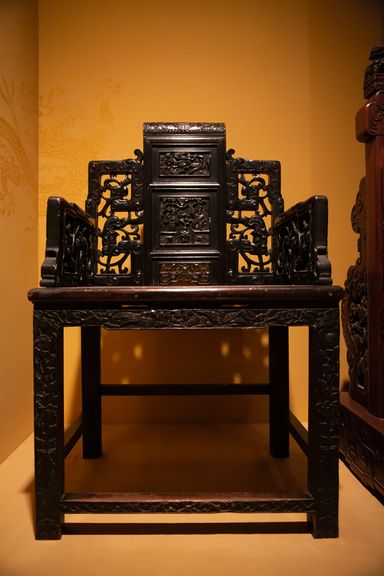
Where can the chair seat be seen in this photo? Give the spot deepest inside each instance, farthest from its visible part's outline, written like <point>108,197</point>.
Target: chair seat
<point>212,296</point>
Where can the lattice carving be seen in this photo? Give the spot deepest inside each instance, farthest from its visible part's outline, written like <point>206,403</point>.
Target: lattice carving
<point>253,201</point>
<point>295,240</point>
<point>301,243</point>
<point>69,256</point>
<point>77,249</point>
<point>115,200</point>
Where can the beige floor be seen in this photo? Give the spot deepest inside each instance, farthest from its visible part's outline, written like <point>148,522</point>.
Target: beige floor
<point>358,552</point>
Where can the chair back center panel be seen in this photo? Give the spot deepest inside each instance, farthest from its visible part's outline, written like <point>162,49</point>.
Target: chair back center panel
<point>184,199</point>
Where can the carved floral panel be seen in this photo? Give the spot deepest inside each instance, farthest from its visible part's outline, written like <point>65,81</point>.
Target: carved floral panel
<point>185,164</point>
<point>184,221</point>
<point>184,273</point>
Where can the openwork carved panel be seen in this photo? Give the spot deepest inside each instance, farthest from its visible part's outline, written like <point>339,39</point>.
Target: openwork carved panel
<point>355,306</point>
<point>184,221</point>
<point>185,273</point>
<point>77,242</point>
<point>295,241</point>
<point>115,200</point>
<point>301,243</point>
<point>69,256</point>
<point>253,200</point>
<point>185,164</point>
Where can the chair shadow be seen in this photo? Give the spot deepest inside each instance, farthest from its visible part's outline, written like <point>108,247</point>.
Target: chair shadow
<point>184,357</point>
<point>29,491</point>
<point>218,356</point>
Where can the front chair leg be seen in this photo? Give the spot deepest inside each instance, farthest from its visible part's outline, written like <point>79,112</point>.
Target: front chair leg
<point>323,447</point>
<point>49,425</point>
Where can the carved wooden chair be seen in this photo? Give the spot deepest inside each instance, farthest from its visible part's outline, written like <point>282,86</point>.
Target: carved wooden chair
<point>186,236</point>
<point>362,404</point>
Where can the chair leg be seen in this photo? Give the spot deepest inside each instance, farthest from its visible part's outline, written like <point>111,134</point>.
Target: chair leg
<point>323,437</point>
<point>91,396</point>
<point>279,391</point>
<point>49,425</point>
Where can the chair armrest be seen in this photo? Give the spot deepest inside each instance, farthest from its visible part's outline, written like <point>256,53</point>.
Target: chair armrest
<point>300,243</point>
<point>69,255</point>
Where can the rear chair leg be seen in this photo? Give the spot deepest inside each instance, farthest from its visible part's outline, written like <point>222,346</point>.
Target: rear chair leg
<point>91,396</point>
<point>279,391</point>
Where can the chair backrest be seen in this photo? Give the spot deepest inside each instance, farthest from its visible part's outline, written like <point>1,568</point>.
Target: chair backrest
<point>185,212</point>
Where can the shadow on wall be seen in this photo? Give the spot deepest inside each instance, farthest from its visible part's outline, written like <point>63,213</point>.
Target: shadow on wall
<point>198,357</point>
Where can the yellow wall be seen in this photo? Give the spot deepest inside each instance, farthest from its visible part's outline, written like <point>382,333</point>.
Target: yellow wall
<point>286,79</point>
<point>18,215</point>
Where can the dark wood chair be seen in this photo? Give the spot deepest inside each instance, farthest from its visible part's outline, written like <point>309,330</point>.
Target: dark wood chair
<point>362,404</point>
<point>186,236</point>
